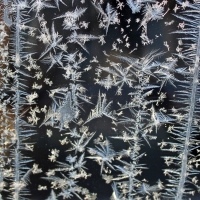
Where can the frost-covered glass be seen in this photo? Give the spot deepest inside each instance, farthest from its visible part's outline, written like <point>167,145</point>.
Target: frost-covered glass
<point>99,99</point>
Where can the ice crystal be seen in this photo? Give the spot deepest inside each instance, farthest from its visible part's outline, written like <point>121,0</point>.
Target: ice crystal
<point>82,99</point>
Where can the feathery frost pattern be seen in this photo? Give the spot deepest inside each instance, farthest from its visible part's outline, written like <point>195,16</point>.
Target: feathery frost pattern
<point>99,99</point>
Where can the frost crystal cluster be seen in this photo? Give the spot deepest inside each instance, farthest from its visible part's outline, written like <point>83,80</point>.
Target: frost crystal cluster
<point>99,99</point>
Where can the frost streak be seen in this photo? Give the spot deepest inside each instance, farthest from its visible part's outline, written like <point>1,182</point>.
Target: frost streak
<point>189,126</point>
